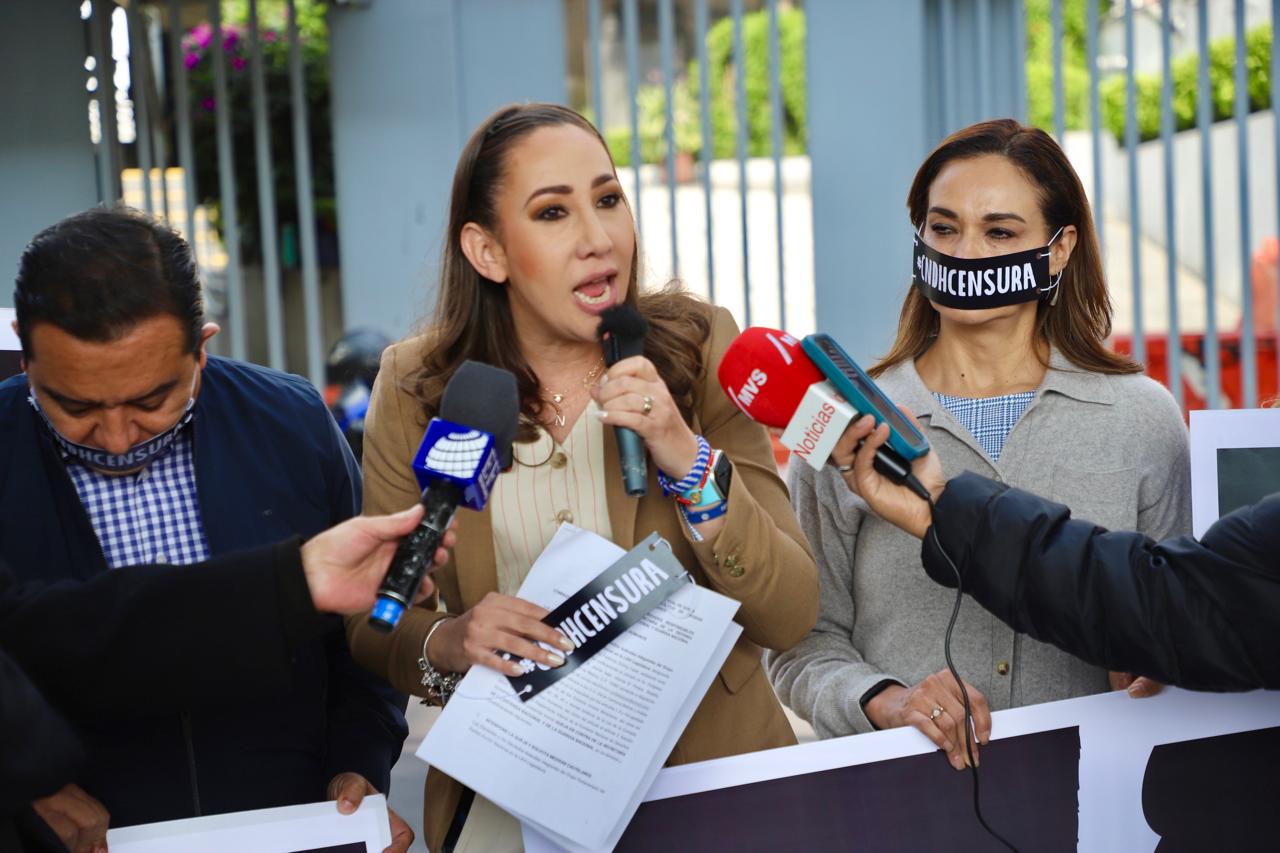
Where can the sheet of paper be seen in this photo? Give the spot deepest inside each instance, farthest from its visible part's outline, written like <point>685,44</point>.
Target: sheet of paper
<point>573,760</point>
<point>541,840</point>
<point>1234,452</point>
<point>315,827</point>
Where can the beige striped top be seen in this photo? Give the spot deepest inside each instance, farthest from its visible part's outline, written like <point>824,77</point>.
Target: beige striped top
<point>548,484</point>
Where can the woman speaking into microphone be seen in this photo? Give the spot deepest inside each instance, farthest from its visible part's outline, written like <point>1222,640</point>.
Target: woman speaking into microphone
<point>1001,355</point>
<point>540,243</point>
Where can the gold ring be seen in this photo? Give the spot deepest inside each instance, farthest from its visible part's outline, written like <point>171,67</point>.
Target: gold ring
<point>937,712</point>
<point>648,406</point>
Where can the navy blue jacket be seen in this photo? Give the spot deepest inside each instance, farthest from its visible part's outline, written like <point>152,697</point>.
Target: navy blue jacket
<point>1203,615</point>
<point>270,464</point>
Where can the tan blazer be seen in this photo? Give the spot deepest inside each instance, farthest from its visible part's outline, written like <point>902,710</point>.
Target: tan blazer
<point>760,558</point>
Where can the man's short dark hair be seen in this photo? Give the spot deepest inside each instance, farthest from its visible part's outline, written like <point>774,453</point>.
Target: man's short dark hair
<point>97,274</point>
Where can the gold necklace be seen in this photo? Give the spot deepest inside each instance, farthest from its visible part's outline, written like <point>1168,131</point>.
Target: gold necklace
<point>558,398</point>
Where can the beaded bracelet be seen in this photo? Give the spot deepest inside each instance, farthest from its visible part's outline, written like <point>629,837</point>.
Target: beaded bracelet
<point>696,476</point>
<point>707,494</point>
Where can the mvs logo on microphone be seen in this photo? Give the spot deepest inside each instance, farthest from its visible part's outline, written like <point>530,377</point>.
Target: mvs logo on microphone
<point>746,395</point>
<point>461,455</point>
<point>765,373</point>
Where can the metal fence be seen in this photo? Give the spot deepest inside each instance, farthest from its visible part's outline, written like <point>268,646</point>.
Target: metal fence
<point>1192,365</point>
<point>1203,362</point>
<point>133,84</point>
<point>631,25</point>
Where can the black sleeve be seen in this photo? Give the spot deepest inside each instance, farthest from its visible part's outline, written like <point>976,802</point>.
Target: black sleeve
<point>1203,615</point>
<point>152,639</point>
<point>39,753</point>
<point>366,721</point>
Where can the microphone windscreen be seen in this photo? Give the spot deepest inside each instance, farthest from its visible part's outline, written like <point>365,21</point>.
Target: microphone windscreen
<point>485,398</point>
<point>766,373</point>
<point>621,332</point>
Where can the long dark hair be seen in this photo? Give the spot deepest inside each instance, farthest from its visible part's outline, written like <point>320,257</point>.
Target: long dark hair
<point>1078,325</point>
<point>472,318</point>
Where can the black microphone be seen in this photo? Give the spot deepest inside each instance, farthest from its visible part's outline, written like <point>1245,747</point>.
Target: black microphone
<point>462,453</point>
<point>622,330</point>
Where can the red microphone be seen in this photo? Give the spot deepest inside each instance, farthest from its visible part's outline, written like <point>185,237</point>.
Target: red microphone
<point>760,357</point>
<point>771,379</point>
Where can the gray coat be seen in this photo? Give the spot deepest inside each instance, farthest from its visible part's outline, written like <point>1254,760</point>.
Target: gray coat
<point>1112,448</point>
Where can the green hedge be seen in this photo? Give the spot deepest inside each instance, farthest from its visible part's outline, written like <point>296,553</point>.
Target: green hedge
<point>1186,87</point>
<point>651,99</point>
<point>1075,68</point>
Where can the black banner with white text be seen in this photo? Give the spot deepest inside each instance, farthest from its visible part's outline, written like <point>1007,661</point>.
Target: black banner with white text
<point>616,599</point>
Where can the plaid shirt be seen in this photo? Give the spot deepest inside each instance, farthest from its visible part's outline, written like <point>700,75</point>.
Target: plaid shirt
<point>152,516</point>
<point>989,419</point>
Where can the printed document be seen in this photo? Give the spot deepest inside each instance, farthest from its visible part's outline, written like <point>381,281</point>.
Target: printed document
<point>573,762</point>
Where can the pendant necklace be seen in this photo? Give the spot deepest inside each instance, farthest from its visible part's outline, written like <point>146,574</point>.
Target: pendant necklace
<point>556,399</point>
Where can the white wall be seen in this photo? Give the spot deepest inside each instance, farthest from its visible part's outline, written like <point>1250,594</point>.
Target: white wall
<point>1189,199</point>
<point>410,81</point>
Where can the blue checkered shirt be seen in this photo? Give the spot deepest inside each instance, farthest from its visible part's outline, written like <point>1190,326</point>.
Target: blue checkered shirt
<point>988,419</point>
<point>152,516</point>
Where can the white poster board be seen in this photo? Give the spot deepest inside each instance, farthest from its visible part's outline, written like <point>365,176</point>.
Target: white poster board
<point>8,339</point>
<point>1231,451</point>
<point>313,827</point>
<point>10,347</point>
<point>1117,735</point>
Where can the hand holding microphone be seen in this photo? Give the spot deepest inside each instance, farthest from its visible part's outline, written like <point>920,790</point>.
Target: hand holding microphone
<point>814,390</point>
<point>345,564</point>
<point>896,504</point>
<point>461,455</point>
<point>635,400</point>
<point>831,409</point>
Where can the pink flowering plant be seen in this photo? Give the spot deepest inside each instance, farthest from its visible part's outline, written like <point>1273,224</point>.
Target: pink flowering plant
<point>198,46</point>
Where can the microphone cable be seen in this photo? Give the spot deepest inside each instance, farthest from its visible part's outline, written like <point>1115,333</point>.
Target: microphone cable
<point>910,481</point>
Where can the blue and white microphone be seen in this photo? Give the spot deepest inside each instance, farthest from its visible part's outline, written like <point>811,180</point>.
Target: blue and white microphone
<point>461,455</point>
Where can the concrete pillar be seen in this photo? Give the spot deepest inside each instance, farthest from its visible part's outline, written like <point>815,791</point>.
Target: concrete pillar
<point>47,165</point>
<point>411,78</point>
<point>881,93</point>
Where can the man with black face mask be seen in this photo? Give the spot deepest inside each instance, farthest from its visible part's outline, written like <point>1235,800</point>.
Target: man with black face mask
<point>125,443</point>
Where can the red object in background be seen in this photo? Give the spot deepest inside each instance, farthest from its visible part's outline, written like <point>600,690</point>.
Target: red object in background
<point>780,455</point>
<point>1264,274</point>
<point>1194,386</point>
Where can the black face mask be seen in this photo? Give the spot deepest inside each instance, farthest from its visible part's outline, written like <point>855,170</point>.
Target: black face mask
<point>974,283</point>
